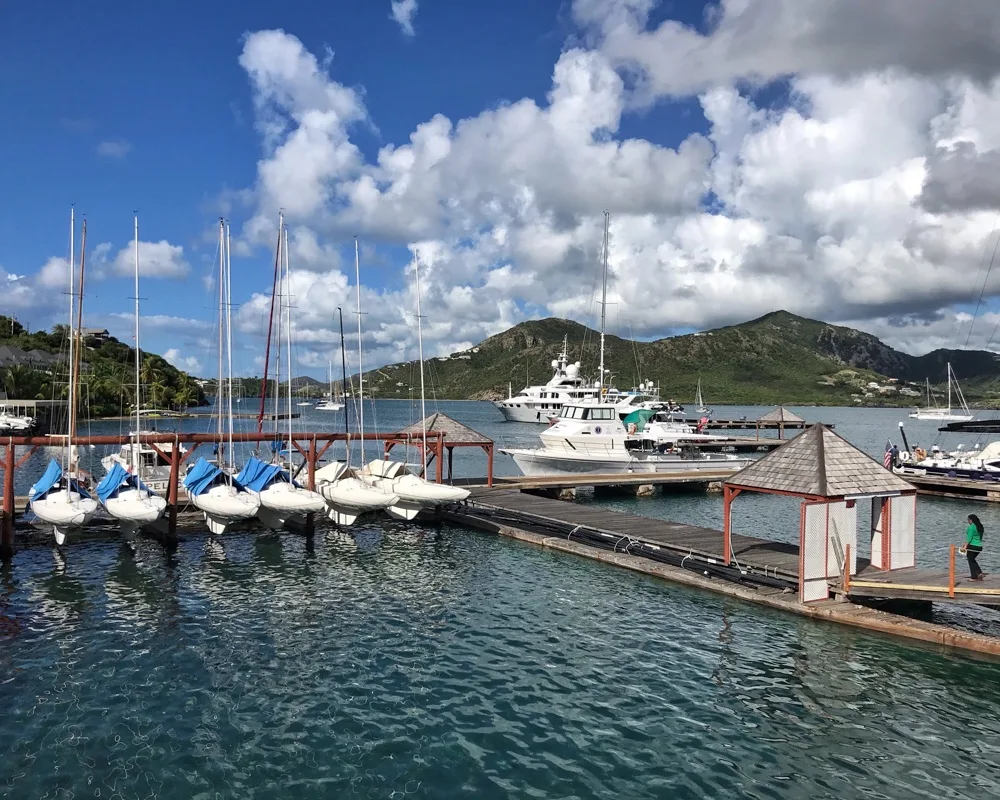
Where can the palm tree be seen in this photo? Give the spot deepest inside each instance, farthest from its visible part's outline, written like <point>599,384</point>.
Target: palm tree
<point>152,371</point>
<point>186,395</point>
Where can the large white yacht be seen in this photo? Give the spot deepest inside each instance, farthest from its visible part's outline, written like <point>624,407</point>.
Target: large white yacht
<point>590,437</point>
<point>538,403</point>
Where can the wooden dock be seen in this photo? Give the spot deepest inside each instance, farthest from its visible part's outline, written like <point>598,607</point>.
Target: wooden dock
<point>749,424</point>
<point>955,488</point>
<point>761,570</point>
<point>624,479</point>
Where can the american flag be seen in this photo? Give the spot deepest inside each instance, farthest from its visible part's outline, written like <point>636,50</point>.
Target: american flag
<point>887,458</point>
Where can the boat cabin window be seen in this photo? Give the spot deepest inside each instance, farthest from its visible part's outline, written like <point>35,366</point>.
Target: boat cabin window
<point>602,413</point>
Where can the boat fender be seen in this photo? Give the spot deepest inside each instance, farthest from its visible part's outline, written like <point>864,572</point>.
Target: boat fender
<point>904,456</point>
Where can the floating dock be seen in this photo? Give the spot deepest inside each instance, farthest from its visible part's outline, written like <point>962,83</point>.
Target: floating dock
<point>955,488</point>
<point>762,571</point>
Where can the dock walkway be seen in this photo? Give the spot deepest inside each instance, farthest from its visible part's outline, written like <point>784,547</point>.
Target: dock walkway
<point>753,558</point>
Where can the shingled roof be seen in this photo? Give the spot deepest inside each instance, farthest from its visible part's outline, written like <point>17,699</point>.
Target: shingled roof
<point>455,432</point>
<point>819,463</point>
<point>780,414</point>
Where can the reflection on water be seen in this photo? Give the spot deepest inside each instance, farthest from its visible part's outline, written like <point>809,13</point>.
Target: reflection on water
<point>441,662</point>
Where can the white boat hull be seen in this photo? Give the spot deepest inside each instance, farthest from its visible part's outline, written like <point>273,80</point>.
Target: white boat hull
<point>414,494</point>
<point>223,506</point>
<point>64,511</point>
<point>347,497</point>
<point>537,462</point>
<point>282,502</point>
<point>135,509</point>
<point>940,416</point>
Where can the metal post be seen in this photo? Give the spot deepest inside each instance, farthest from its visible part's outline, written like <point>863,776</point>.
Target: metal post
<point>7,538</point>
<point>451,474</point>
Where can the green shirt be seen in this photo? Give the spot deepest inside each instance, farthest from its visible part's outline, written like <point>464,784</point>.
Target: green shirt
<point>973,536</point>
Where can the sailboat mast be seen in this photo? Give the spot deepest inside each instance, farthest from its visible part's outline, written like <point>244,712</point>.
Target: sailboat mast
<point>276,296</point>
<point>288,344</point>
<point>135,447</point>
<point>361,363</point>
<point>72,393</point>
<point>229,339</point>
<point>220,381</point>
<point>948,376</point>
<point>420,355</point>
<point>270,325</point>
<point>343,386</point>
<point>79,327</point>
<point>604,301</point>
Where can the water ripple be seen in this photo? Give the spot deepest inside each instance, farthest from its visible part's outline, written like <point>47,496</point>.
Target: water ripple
<point>432,663</point>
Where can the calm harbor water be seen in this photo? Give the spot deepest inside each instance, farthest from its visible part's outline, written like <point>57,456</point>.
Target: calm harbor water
<point>401,660</point>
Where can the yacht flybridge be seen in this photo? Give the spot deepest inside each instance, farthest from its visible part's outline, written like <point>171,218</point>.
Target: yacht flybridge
<point>945,414</point>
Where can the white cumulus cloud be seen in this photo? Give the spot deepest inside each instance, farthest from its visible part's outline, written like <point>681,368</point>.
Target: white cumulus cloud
<point>403,12</point>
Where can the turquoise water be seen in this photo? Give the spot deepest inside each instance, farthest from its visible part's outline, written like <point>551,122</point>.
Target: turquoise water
<point>439,662</point>
<point>444,663</point>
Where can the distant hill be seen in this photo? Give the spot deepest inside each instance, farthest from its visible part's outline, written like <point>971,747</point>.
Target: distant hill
<point>778,358</point>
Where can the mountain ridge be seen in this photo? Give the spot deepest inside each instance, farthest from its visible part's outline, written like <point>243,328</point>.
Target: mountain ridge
<point>776,358</point>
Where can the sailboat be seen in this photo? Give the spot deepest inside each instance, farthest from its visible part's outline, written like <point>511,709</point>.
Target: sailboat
<point>281,499</point>
<point>330,404</point>
<point>211,488</point>
<point>414,493</point>
<point>58,498</point>
<point>699,401</point>
<point>346,494</point>
<point>122,491</point>
<point>945,414</point>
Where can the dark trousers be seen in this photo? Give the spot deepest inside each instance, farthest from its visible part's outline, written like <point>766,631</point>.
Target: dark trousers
<point>972,553</point>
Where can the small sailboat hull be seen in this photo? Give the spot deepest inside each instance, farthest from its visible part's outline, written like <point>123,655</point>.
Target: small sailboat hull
<point>283,502</point>
<point>223,506</point>
<point>64,511</point>
<point>414,494</point>
<point>135,509</point>
<point>348,497</point>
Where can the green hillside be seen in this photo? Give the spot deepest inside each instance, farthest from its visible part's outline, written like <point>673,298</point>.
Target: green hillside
<point>778,358</point>
<point>107,373</point>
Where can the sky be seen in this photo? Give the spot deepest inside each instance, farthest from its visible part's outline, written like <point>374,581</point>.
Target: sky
<point>836,158</point>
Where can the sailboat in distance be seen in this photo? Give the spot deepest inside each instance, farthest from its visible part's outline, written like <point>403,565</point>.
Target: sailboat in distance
<point>945,414</point>
<point>330,403</point>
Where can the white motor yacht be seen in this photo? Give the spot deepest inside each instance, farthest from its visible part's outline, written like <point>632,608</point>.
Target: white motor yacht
<point>413,493</point>
<point>591,438</point>
<point>143,459</point>
<point>538,403</point>
<point>346,495</point>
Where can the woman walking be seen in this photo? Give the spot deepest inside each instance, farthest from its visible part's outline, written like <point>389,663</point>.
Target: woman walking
<point>974,546</point>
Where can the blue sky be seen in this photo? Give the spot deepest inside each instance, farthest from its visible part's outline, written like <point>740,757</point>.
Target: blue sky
<point>125,106</point>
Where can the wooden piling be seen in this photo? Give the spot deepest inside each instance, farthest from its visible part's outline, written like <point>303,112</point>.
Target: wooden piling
<point>951,573</point>
<point>7,537</point>
<point>175,468</point>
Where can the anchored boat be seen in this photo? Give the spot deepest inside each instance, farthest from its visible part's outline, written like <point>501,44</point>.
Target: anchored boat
<point>347,496</point>
<point>61,501</point>
<point>281,499</point>
<point>126,498</point>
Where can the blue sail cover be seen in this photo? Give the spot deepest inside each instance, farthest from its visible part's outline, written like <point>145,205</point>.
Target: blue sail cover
<point>201,477</point>
<point>116,478</point>
<point>257,475</point>
<point>50,480</point>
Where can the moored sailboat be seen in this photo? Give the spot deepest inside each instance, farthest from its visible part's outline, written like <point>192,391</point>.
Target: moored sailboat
<point>58,498</point>
<point>945,414</point>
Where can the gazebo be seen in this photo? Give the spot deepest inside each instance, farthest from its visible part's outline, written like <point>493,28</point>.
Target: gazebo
<point>830,475</point>
<point>782,416</point>
<point>448,434</point>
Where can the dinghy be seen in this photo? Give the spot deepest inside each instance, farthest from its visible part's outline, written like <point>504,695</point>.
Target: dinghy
<point>60,501</point>
<point>222,500</point>
<point>347,496</point>
<point>413,493</point>
<point>281,499</point>
<point>126,498</point>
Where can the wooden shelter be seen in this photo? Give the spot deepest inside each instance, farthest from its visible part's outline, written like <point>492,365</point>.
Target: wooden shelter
<point>449,433</point>
<point>782,416</point>
<point>830,475</point>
